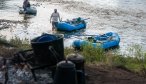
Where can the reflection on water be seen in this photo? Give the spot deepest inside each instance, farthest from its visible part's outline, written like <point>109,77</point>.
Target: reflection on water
<point>126,17</point>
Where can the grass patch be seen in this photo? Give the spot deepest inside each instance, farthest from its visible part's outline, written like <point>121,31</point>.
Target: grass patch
<point>68,50</point>
<point>9,48</point>
<point>4,42</point>
<point>16,43</point>
<point>93,55</point>
<point>21,44</point>
<point>135,61</point>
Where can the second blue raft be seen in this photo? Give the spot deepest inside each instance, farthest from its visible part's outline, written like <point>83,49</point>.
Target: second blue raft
<point>105,41</point>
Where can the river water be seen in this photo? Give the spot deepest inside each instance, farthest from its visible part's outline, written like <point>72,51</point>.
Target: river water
<point>126,17</point>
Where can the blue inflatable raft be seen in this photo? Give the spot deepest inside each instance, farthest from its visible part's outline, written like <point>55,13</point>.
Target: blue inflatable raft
<point>29,10</point>
<point>104,41</point>
<point>71,25</point>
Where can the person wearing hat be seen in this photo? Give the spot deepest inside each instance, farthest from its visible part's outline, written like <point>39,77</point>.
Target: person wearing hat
<point>55,17</point>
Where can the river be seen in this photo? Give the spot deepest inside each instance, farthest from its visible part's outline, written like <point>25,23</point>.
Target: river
<point>126,17</point>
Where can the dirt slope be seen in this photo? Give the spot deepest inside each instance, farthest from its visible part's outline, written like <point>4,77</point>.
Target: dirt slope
<point>101,75</point>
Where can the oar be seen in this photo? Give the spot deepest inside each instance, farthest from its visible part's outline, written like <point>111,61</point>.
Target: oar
<point>85,19</point>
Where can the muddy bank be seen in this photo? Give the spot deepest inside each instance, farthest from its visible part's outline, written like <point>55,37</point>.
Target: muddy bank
<point>99,74</point>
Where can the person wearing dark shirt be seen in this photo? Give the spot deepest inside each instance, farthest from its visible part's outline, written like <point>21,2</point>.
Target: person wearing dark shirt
<point>26,4</point>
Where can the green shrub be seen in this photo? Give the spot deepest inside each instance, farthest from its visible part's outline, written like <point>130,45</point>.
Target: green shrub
<point>68,50</point>
<point>21,44</point>
<point>92,54</point>
<point>15,42</point>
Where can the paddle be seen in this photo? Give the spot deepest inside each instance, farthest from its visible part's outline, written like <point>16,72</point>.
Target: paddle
<point>85,19</point>
<point>83,34</point>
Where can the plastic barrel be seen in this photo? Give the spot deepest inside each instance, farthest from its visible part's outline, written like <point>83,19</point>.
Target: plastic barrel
<point>48,49</point>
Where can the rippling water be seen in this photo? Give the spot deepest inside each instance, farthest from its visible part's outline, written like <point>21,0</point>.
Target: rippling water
<point>126,17</point>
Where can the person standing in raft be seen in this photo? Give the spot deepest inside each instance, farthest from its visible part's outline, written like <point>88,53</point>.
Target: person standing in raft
<point>26,4</point>
<point>55,17</point>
